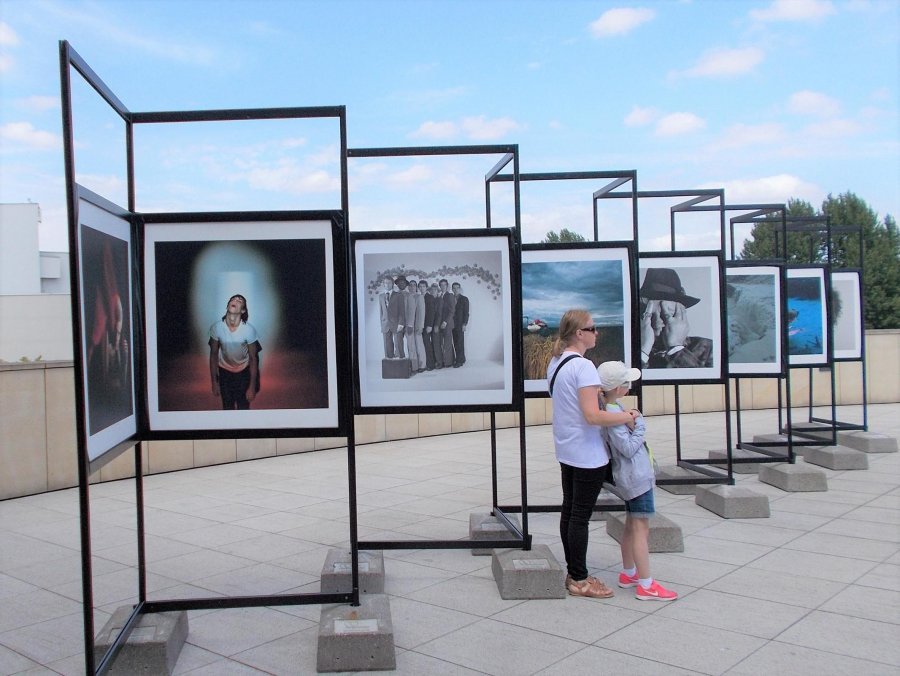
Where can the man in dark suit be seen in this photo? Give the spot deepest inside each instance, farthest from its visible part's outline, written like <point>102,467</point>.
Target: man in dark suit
<point>387,287</point>
<point>448,314</point>
<point>428,324</point>
<point>436,341</point>
<point>460,321</point>
<point>397,316</point>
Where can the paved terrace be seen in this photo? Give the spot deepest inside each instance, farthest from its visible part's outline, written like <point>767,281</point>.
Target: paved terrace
<point>815,589</point>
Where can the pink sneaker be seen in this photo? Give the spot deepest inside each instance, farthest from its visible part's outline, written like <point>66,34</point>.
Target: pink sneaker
<point>626,581</point>
<point>655,592</point>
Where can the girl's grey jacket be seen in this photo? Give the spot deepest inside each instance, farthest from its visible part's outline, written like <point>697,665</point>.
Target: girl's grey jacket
<point>632,469</point>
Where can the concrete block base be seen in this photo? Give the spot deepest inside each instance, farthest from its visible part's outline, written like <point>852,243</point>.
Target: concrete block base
<point>534,574</point>
<point>779,440</point>
<point>337,577</point>
<point>676,472</point>
<point>836,457</point>
<point>769,439</point>
<point>607,499</point>
<point>737,467</point>
<point>797,478</point>
<point>153,645</point>
<point>733,502</point>
<point>489,527</point>
<point>357,638</point>
<point>867,442</point>
<point>665,534</point>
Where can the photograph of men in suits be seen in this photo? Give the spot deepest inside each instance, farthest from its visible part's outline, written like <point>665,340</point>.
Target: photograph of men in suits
<point>460,321</point>
<point>448,315</point>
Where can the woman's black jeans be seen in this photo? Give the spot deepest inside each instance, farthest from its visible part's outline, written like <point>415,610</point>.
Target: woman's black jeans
<point>580,488</point>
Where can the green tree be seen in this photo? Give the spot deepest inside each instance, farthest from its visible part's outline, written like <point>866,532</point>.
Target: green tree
<point>564,235</point>
<point>761,244</point>
<point>881,247</point>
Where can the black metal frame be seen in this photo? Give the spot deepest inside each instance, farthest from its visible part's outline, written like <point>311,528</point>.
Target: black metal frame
<point>618,178</point>
<point>509,157</point>
<point>822,226</point>
<point>69,59</point>
<point>514,405</point>
<point>694,202</point>
<point>758,213</point>
<point>341,312</point>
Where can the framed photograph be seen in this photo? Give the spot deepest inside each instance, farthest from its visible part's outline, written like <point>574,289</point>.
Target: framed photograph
<point>107,324</point>
<point>434,320</point>
<point>241,324</point>
<point>597,277</point>
<point>681,310</point>
<point>846,314</point>
<point>807,318</point>
<point>753,300</point>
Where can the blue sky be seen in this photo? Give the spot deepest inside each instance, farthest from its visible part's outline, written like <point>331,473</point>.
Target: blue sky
<point>768,100</point>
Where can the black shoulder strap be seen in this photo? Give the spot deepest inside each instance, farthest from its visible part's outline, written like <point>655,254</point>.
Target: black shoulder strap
<point>556,372</point>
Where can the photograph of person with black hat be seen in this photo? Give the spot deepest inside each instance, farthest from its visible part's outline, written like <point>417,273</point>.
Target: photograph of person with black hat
<point>672,337</point>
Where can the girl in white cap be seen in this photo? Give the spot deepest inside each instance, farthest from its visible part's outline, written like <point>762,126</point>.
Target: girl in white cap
<point>635,478</point>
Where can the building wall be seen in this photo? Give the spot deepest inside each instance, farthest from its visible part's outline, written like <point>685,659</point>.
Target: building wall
<point>36,327</point>
<point>20,266</point>
<point>37,410</point>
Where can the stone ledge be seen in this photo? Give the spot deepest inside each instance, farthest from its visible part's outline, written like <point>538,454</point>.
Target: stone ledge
<point>533,574</point>
<point>489,527</point>
<point>152,647</point>
<point>798,478</point>
<point>836,457</point>
<point>357,638</point>
<point>733,502</point>
<point>665,534</point>
<point>868,442</point>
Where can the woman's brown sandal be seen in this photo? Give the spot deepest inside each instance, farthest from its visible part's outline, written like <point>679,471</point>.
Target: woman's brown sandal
<point>590,587</point>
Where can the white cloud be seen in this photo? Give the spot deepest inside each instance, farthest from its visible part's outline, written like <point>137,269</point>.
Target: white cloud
<point>290,177</point>
<point>39,103</point>
<point>640,117</point>
<point>769,189</point>
<point>8,37</point>
<point>620,20</point>
<point>432,97</point>
<point>102,22</point>
<point>677,124</point>
<point>437,130</point>
<point>110,186</point>
<point>807,102</point>
<point>6,63</point>
<point>24,134</point>
<point>418,173</point>
<point>794,10</point>
<point>726,62</point>
<point>293,142</point>
<point>476,128</point>
<point>837,128</point>
<point>755,135</point>
<point>481,128</point>
<point>881,94</point>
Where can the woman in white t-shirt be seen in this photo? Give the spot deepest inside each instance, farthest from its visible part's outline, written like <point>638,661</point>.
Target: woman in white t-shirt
<point>583,459</point>
<point>234,356</point>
